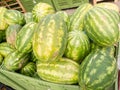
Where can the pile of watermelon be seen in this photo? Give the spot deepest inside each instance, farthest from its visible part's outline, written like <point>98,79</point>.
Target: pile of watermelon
<point>60,48</point>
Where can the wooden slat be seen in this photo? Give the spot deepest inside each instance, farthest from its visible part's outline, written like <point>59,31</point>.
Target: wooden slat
<point>21,5</point>
<point>13,4</point>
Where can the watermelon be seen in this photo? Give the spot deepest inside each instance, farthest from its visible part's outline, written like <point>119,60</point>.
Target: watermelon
<point>101,26</point>
<point>50,38</point>
<point>11,33</point>
<point>64,71</point>
<point>108,5</point>
<point>78,45</point>
<point>15,61</point>
<point>40,10</point>
<point>97,71</point>
<point>14,17</point>
<point>3,23</point>
<point>23,41</point>
<point>29,69</point>
<point>6,48</point>
<point>28,17</point>
<point>77,18</point>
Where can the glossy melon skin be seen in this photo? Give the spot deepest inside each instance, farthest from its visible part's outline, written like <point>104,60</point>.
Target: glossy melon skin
<point>28,17</point>
<point>103,31</point>
<point>50,39</point>
<point>78,45</point>
<point>41,10</point>
<point>98,71</point>
<point>64,71</point>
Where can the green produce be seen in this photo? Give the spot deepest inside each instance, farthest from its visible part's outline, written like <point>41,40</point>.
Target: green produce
<point>77,19</point>
<point>33,58</point>
<point>11,33</point>
<point>98,71</point>
<point>29,69</point>
<point>2,36</point>
<point>41,10</point>
<point>108,5</point>
<point>50,39</point>
<point>101,26</point>
<point>14,17</point>
<point>3,24</point>
<point>64,71</point>
<point>15,61</point>
<point>6,48</point>
<point>23,41</point>
<point>28,17</point>
<point>1,59</point>
<point>78,45</point>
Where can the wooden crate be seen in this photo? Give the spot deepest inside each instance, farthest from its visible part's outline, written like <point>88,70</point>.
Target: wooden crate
<point>13,4</point>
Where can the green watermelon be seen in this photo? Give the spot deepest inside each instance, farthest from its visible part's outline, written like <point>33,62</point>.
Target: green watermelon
<point>101,26</point>
<point>15,61</point>
<point>64,71</point>
<point>29,69</point>
<point>14,17</point>
<point>108,5</point>
<point>3,23</point>
<point>28,17</point>
<point>50,38</point>
<point>77,18</point>
<point>78,45</point>
<point>97,71</point>
<point>40,10</point>
<point>23,41</point>
<point>11,33</point>
<point>6,48</point>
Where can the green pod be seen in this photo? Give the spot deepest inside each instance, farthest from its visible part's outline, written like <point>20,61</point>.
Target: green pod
<point>78,45</point>
<point>6,48</point>
<point>50,38</point>
<point>97,71</point>
<point>15,61</point>
<point>29,69</point>
<point>23,41</point>
<point>64,71</point>
<point>14,17</point>
<point>11,33</point>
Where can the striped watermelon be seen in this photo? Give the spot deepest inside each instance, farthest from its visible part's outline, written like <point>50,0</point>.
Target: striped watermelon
<point>29,69</point>
<point>50,39</point>
<point>3,23</point>
<point>101,26</point>
<point>6,48</point>
<point>98,71</point>
<point>40,10</point>
<point>14,17</point>
<point>64,71</point>
<point>77,19</point>
<point>78,45</point>
<point>23,41</point>
<point>108,5</point>
<point>15,61</point>
<point>11,33</point>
